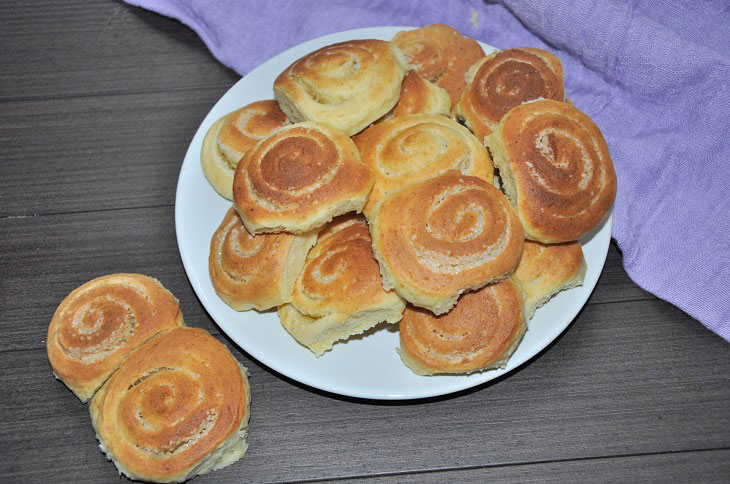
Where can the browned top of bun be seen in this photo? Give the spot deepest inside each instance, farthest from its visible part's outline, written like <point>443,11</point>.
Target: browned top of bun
<point>556,168</point>
<point>480,332</point>
<point>298,178</point>
<point>440,54</point>
<point>506,79</point>
<point>99,323</point>
<point>176,399</point>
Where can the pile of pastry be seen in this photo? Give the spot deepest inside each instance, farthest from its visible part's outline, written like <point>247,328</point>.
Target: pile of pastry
<point>168,402</point>
<point>417,181</point>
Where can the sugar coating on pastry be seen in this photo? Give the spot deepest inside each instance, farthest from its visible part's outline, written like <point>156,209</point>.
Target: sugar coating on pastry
<point>555,168</point>
<point>481,332</point>
<point>298,178</point>
<point>231,136</point>
<point>505,79</point>
<point>441,55</point>
<point>255,271</point>
<point>101,322</point>
<point>347,85</point>
<point>416,147</point>
<point>339,293</point>
<point>418,95</point>
<point>441,237</point>
<point>177,408</point>
<point>546,269</point>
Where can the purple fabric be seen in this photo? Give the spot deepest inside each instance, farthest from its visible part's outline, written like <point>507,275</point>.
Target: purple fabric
<point>654,76</point>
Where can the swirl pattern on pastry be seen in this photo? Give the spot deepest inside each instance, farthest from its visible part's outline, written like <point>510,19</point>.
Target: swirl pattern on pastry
<point>506,79</point>
<point>441,55</point>
<point>339,292</point>
<point>298,178</point>
<point>546,269</point>
<point>178,407</point>
<point>347,85</point>
<point>438,238</point>
<point>99,323</point>
<point>480,332</point>
<point>555,168</point>
<point>237,257</point>
<point>231,136</point>
<point>413,148</point>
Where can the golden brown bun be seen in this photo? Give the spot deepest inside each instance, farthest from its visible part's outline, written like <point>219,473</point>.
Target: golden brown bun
<point>255,271</point>
<point>348,85</point>
<point>440,54</point>
<point>555,169</point>
<point>178,407</point>
<point>417,95</point>
<point>298,178</point>
<point>100,323</point>
<point>480,332</point>
<point>438,238</point>
<point>416,147</point>
<point>231,136</point>
<point>339,293</point>
<point>506,79</point>
<point>545,270</point>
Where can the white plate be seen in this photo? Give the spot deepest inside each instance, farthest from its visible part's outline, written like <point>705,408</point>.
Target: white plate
<point>365,367</point>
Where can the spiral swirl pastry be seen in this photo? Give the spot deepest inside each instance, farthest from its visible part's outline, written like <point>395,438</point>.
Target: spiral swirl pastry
<point>99,323</point>
<point>417,95</point>
<point>480,332</point>
<point>236,260</point>
<point>178,407</point>
<point>299,178</point>
<point>441,55</point>
<point>506,79</point>
<point>546,269</point>
<point>339,292</point>
<point>438,238</point>
<point>555,169</point>
<point>347,85</point>
<point>231,136</point>
<point>413,148</point>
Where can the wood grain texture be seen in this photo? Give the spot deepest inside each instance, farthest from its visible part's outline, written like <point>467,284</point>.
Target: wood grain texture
<point>98,102</point>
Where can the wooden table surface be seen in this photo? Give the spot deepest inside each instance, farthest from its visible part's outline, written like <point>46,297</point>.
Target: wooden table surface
<point>98,103</point>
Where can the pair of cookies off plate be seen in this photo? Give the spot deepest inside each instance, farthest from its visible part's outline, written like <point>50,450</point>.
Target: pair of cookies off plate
<point>436,234</point>
<point>168,402</point>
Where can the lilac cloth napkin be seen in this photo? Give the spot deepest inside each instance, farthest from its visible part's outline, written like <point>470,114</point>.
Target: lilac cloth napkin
<point>653,75</point>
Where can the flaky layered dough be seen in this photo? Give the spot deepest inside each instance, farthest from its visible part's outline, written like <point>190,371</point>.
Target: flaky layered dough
<point>506,79</point>
<point>100,323</point>
<point>440,54</point>
<point>231,136</point>
<point>339,293</point>
<point>480,332</point>
<point>555,169</point>
<point>347,85</point>
<point>416,147</point>
<point>438,238</point>
<point>299,178</point>
<point>417,95</point>
<point>178,407</point>
<point>255,271</point>
<point>544,270</point>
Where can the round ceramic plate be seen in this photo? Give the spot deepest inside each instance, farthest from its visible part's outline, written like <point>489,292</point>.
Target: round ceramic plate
<point>366,366</point>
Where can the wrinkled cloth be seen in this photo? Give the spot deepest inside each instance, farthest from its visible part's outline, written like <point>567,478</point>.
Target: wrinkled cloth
<point>653,75</point>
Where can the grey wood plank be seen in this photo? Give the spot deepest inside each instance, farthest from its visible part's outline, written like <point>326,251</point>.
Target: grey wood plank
<point>71,48</point>
<point>711,466</point>
<point>96,153</point>
<point>45,258</point>
<point>662,387</point>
